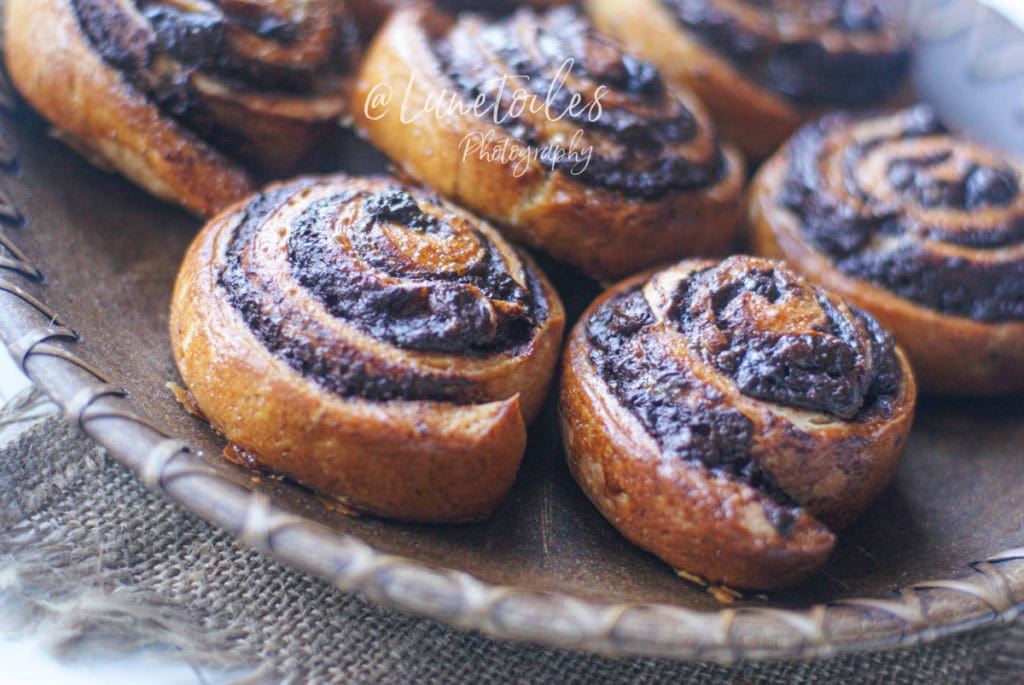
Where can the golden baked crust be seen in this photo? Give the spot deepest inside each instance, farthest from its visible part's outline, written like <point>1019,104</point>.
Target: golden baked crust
<point>755,117</point>
<point>107,112</point>
<point>625,207</point>
<point>370,342</point>
<point>728,417</point>
<point>946,280</point>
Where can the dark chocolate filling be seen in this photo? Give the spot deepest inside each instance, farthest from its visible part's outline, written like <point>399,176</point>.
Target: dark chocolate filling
<point>431,312</point>
<point>310,348</point>
<point>648,170</point>
<point>198,42</point>
<point>978,186</point>
<point>981,290</point>
<point>842,367</point>
<point>804,72</point>
<point>691,421</point>
<point>643,376</point>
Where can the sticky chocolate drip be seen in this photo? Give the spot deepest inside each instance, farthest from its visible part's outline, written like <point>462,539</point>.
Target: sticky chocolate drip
<point>647,130</point>
<point>644,377</point>
<point>310,348</point>
<point>804,71</point>
<point>846,223</point>
<point>838,364</point>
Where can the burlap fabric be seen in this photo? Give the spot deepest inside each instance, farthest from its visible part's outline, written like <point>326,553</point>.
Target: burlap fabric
<point>96,563</point>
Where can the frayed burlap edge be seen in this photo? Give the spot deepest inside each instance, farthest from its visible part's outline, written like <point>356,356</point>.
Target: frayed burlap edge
<point>64,592</point>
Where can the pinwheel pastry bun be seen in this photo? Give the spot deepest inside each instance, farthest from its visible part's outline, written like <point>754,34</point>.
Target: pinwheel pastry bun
<point>193,101</point>
<point>764,67</point>
<point>731,417</point>
<point>917,225</point>
<point>569,145</point>
<point>369,341</point>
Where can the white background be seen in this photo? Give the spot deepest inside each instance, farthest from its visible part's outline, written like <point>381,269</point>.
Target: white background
<point>1011,8</point>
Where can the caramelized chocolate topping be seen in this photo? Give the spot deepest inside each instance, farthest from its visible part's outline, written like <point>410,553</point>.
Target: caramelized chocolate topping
<point>548,78</point>
<point>396,267</point>
<point>906,205</point>
<point>836,53</point>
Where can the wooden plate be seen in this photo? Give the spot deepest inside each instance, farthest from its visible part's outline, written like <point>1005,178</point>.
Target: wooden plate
<point>942,551</point>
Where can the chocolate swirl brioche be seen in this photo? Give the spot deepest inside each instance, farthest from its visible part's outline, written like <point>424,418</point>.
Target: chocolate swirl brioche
<point>729,417</point>
<point>570,145</point>
<point>369,341</point>
<point>920,227</point>
<point>763,67</point>
<point>191,99</point>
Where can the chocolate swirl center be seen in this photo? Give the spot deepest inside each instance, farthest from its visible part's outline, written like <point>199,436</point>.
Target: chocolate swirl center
<point>672,358</point>
<point>782,341</point>
<point>586,108</point>
<point>384,265</point>
<point>436,285</point>
<point>841,53</point>
<point>904,204</point>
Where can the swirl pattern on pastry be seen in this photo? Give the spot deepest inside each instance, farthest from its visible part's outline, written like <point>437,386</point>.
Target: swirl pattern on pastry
<point>224,91</point>
<point>901,203</point>
<point>735,407</point>
<point>199,60</point>
<point>646,142</point>
<point>388,310</point>
<point>552,131</point>
<point>836,53</point>
<point>912,212</point>
<point>372,13</point>
<point>765,66</point>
